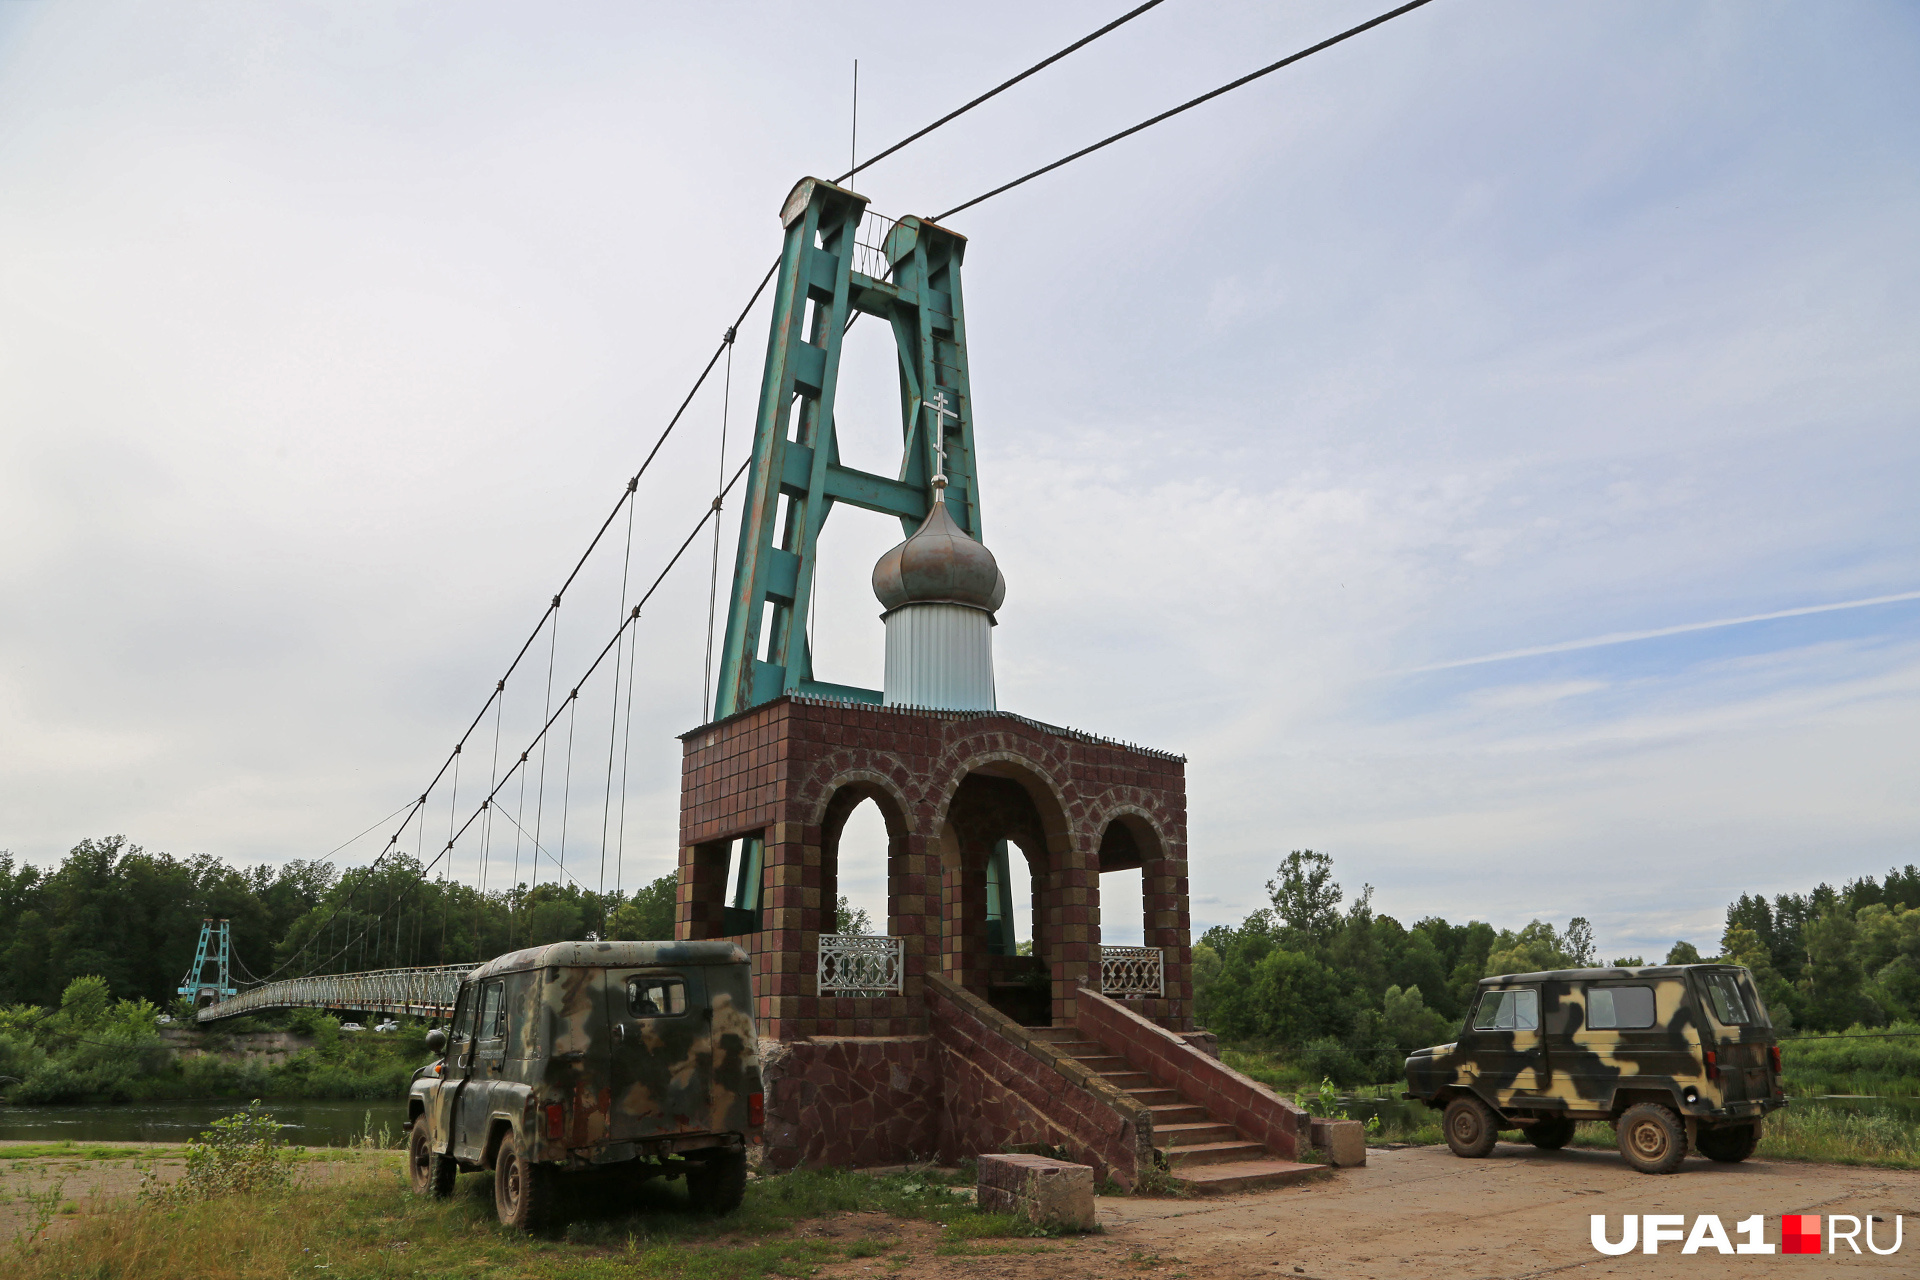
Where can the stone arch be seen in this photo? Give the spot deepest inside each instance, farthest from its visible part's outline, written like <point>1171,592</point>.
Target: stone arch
<point>845,793</point>
<point>1056,830</point>
<point>1130,836</point>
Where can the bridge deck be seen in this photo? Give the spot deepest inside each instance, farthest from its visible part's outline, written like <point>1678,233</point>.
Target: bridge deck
<point>420,993</point>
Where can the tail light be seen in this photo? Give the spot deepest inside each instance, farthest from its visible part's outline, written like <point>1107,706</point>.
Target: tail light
<point>1773,1057</point>
<point>1713,1065</point>
<point>556,1120</point>
<point>756,1108</point>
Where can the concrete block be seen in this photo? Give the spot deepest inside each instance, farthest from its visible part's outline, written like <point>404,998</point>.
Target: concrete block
<point>1042,1190</point>
<point>1344,1141</point>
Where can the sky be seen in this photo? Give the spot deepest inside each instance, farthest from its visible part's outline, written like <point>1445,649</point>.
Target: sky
<point>1486,450</point>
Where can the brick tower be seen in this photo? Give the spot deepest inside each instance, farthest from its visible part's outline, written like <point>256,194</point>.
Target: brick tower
<point>876,1047</point>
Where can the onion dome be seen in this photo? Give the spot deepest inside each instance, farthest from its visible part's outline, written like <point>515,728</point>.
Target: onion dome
<point>939,564</point>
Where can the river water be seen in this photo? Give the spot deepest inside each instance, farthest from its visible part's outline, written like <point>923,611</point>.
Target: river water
<point>307,1124</point>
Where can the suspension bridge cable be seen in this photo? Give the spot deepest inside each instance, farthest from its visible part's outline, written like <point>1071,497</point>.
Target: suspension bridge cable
<point>1189,105</point>
<point>725,347</point>
<point>626,756</point>
<point>632,617</point>
<point>566,794</point>
<point>713,577</point>
<point>486,832</point>
<point>540,793</point>
<point>613,710</point>
<point>998,89</point>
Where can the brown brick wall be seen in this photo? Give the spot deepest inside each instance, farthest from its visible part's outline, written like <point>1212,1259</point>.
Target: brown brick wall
<point>1229,1097</point>
<point>793,768</point>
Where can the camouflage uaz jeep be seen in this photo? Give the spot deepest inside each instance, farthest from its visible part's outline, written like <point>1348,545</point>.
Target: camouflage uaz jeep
<point>1677,1057</point>
<point>636,1058</point>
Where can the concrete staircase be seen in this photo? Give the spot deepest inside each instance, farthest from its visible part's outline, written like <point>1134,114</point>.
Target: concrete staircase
<point>1201,1152</point>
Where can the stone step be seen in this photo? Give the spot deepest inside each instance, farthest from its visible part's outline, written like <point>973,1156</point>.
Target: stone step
<point>1082,1048</point>
<point>1174,1111</point>
<point>1193,1133</point>
<point>1103,1062</point>
<point>1054,1035</point>
<point>1154,1096</point>
<point>1126,1081</point>
<point>1242,1175</point>
<point>1214,1153</point>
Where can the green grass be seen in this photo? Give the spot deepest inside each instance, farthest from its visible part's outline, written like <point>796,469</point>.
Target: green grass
<point>365,1224</point>
<point>91,1151</point>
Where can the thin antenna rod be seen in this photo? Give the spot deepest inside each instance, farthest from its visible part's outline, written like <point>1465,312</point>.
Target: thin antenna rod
<point>853,143</point>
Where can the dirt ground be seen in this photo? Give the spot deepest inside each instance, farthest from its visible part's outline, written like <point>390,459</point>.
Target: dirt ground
<point>1420,1211</point>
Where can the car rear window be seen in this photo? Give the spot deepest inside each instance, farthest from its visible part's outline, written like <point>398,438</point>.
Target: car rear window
<point>1729,1006</point>
<point>1619,1008</point>
<point>656,997</point>
<point>1508,1011</point>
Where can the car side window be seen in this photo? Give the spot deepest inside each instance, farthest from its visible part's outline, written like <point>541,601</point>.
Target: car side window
<point>463,1018</point>
<point>1508,1011</point>
<point>1723,993</point>
<point>493,1012</point>
<point>1619,1008</point>
<point>656,996</point>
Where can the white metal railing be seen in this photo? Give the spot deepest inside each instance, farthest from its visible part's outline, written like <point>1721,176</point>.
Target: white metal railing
<point>1131,971</point>
<point>861,965</point>
<point>421,993</point>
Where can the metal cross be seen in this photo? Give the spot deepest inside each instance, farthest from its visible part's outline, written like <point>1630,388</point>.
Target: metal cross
<point>940,415</point>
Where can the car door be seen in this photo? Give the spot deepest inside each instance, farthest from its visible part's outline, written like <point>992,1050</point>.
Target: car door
<point>454,1067</point>
<point>662,1064</point>
<point>486,1051</point>
<point>1508,1054</point>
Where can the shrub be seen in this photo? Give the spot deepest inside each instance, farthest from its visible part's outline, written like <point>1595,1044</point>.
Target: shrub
<point>238,1154</point>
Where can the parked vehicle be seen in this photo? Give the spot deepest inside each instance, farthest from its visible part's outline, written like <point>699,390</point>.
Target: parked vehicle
<point>388,1025</point>
<point>637,1058</point>
<point>1676,1057</point>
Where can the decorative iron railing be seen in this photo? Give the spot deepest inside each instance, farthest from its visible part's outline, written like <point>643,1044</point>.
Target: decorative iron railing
<point>861,965</point>
<point>419,993</point>
<point>1131,971</point>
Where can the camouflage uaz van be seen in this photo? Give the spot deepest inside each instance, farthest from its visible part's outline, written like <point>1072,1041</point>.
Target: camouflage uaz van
<point>635,1058</point>
<point>1677,1057</point>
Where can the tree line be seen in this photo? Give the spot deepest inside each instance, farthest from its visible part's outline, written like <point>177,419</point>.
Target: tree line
<point>1355,989</point>
<point>132,918</point>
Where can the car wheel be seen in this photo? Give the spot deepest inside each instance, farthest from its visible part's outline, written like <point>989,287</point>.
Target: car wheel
<point>522,1188</point>
<point>428,1172</point>
<point>1652,1138</point>
<point>718,1182</point>
<point>1550,1133</point>
<point>1731,1144</point>
<point>1470,1127</point>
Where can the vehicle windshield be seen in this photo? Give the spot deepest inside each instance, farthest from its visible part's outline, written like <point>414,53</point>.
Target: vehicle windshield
<point>1508,1011</point>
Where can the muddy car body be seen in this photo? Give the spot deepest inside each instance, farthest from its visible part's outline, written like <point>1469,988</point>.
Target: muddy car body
<point>1676,1057</point>
<point>629,1058</point>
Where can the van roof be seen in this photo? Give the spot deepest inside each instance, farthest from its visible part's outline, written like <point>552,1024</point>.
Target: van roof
<point>600,955</point>
<point>1597,975</point>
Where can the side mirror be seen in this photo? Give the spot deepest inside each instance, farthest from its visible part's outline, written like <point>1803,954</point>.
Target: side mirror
<point>437,1040</point>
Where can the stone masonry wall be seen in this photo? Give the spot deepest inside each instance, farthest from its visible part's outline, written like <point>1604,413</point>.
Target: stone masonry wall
<point>780,769</point>
<point>1229,1097</point>
<point>1005,1088</point>
<point>851,1102</point>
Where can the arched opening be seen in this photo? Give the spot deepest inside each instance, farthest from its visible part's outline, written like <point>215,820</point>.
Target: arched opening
<point>1123,911</point>
<point>860,865</point>
<point>1000,938</point>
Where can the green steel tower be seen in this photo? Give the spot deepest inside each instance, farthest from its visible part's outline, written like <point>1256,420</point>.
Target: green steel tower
<point>838,261</point>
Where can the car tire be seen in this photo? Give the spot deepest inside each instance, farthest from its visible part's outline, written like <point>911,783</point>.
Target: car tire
<point>1652,1138</point>
<point>429,1173</point>
<point>717,1183</point>
<point>1471,1127</point>
<point>522,1188</point>
<point>1550,1133</point>
<point>1731,1144</point>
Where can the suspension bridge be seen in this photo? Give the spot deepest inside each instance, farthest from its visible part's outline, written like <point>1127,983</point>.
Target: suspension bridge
<point>870,265</point>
